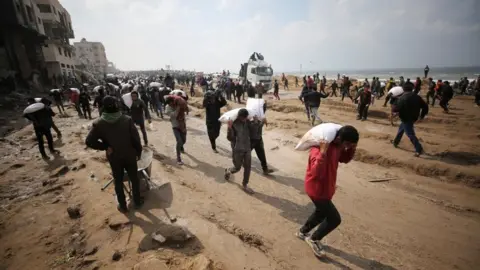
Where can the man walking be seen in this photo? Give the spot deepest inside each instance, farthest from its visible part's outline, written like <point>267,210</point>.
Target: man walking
<point>116,134</point>
<point>314,98</point>
<point>410,107</point>
<point>239,136</point>
<point>446,94</point>
<point>275,90</point>
<point>176,110</point>
<point>365,100</point>
<point>213,102</point>
<point>304,100</point>
<point>42,123</point>
<point>84,100</point>
<point>256,141</point>
<point>58,98</point>
<point>320,185</point>
<point>137,112</point>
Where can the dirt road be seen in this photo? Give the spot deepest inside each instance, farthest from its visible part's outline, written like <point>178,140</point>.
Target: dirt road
<point>410,221</point>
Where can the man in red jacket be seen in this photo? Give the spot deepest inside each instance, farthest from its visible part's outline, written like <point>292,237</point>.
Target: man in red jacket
<point>320,183</point>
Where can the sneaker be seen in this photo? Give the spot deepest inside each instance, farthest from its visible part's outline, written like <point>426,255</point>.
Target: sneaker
<point>417,154</point>
<point>267,171</point>
<point>215,151</point>
<point>316,247</point>
<point>301,236</point>
<point>139,204</point>
<point>248,190</point>
<point>363,119</point>
<point>45,157</point>
<point>180,163</point>
<point>227,175</point>
<point>394,144</point>
<point>122,209</point>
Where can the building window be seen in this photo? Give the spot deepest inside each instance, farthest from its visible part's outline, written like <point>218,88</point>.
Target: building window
<point>65,52</point>
<point>63,65</point>
<point>54,10</point>
<point>60,50</point>
<point>44,8</point>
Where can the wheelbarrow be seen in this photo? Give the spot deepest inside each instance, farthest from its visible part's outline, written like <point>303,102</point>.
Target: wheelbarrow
<point>144,165</point>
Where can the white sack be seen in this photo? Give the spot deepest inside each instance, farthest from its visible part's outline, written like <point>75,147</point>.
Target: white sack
<point>34,108</point>
<point>326,132</point>
<point>232,115</point>
<point>96,88</point>
<point>55,90</point>
<point>127,99</point>
<point>75,90</point>
<point>37,99</point>
<point>155,84</point>
<point>176,91</point>
<point>256,106</point>
<point>396,91</point>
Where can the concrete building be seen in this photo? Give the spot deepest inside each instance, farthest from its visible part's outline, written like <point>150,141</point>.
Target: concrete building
<point>58,53</point>
<point>21,37</point>
<point>91,57</point>
<point>111,69</point>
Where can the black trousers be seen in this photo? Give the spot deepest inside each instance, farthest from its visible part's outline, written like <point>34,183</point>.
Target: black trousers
<point>60,107</point>
<point>86,110</point>
<point>346,93</point>
<point>213,130</point>
<point>326,215</point>
<point>119,166</point>
<point>477,98</point>
<point>141,124</point>
<point>363,110</point>
<point>334,92</point>
<point>444,104</point>
<point>40,132</point>
<point>259,148</point>
<point>431,94</point>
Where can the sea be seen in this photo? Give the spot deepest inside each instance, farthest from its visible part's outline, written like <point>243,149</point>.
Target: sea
<point>437,73</point>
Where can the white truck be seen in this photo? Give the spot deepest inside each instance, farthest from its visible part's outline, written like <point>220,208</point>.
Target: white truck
<point>256,71</point>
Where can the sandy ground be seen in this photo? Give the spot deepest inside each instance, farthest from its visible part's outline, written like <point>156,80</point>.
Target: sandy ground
<point>398,212</point>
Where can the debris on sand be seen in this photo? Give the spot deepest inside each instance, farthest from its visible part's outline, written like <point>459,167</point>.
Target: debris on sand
<point>274,148</point>
<point>117,223</point>
<point>91,250</point>
<point>62,170</point>
<point>116,256</point>
<point>74,211</point>
<point>201,262</point>
<point>171,233</point>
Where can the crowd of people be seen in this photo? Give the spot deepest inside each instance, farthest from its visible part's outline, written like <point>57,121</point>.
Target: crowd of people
<point>115,131</point>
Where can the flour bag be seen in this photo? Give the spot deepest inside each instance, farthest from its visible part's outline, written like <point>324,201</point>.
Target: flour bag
<point>127,99</point>
<point>232,115</point>
<point>256,106</point>
<point>35,107</point>
<point>327,132</point>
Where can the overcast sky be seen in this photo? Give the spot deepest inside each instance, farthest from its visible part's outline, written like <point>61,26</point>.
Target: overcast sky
<point>212,35</point>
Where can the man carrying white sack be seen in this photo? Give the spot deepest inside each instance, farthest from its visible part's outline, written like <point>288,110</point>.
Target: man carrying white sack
<point>320,184</point>
<point>256,140</point>
<point>239,136</point>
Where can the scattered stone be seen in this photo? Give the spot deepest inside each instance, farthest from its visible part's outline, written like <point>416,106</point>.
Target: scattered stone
<point>275,148</point>
<point>56,200</point>
<point>172,233</point>
<point>79,167</point>
<point>74,211</point>
<point>159,238</point>
<point>62,170</point>
<point>117,223</point>
<point>116,256</point>
<point>151,263</point>
<point>91,250</point>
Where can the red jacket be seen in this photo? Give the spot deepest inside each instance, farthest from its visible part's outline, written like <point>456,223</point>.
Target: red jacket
<point>321,176</point>
<point>309,82</point>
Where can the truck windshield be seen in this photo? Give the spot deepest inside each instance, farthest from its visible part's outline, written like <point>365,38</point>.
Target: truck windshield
<point>264,71</point>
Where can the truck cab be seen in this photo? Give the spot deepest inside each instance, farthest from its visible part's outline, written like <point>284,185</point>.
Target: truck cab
<point>257,70</point>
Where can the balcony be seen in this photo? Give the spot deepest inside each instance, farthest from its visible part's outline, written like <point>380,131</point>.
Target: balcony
<point>58,32</point>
